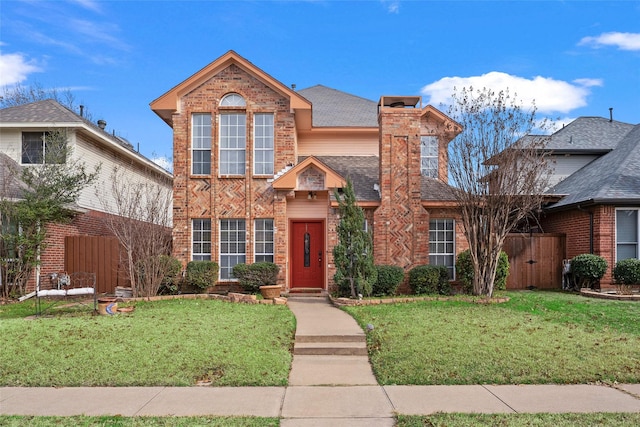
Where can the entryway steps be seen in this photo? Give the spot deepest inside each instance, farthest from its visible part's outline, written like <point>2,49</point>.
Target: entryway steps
<point>330,345</point>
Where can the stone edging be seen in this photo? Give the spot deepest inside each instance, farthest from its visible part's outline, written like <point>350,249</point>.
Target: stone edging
<point>341,302</point>
<point>230,297</point>
<point>586,292</point>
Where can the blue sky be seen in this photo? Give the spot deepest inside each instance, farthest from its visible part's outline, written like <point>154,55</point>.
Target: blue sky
<point>575,58</point>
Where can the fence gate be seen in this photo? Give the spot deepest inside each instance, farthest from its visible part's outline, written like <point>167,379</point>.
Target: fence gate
<point>535,260</point>
<point>95,254</point>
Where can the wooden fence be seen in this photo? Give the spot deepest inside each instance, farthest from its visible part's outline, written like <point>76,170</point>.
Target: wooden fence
<point>535,260</point>
<point>95,254</point>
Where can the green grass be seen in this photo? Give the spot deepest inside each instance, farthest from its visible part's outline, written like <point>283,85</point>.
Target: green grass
<point>535,338</point>
<point>162,343</point>
<point>107,421</point>
<point>519,420</point>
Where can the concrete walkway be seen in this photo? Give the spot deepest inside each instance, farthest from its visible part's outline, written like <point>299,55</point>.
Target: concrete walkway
<point>331,384</point>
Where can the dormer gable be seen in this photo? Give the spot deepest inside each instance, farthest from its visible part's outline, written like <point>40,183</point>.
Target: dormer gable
<point>310,175</point>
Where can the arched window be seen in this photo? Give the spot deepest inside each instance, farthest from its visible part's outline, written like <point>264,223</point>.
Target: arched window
<point>232,100</point>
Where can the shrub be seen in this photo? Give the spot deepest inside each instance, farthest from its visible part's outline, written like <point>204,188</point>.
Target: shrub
<point>171,282</point>
<point>464,272</point>
<point>252,276</point>
<point>429,279</point>
<point>588,269</point>
<point>626,274</point>
<point>202,274</point>
<point>389,278</point>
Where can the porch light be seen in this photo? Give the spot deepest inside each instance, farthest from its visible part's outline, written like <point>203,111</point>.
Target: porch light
<point>311,195</point>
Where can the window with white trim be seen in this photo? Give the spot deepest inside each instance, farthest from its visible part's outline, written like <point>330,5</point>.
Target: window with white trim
<point>43,147</point>
<point>263,144</point>
<point>201,239</point>
<point>233,100</point>
<point>627,233</point>
<point>201,144</point>
<point>232,246</point>
<point>263,240</point>
<point>233,141</point>
<point>442,244</point>
<point>429,156</point>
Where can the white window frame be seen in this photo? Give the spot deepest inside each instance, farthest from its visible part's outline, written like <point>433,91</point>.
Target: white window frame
<point>233,143</point>
<point>201,142</point>
<point>429,156</point>
<point>263,237</point>
<point>200,239</point>
<point>263,144</point>
<point>438,237</point>
<point>233,244</point>
<point>233,100</point>
<point>637,239</point>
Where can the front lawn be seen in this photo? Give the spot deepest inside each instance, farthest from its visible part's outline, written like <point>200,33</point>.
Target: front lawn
<point>535,338</point>
<point>162,343</point>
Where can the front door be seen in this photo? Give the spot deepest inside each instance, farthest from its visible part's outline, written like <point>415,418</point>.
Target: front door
<point>307,254</point>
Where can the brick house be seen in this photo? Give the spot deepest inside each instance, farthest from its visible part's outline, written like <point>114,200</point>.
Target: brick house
<point>596,181</point>
<point>22,144</point>
<point>256,164</point>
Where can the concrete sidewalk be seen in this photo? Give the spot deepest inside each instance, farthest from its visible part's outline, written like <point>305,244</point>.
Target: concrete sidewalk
<point>331,384</point>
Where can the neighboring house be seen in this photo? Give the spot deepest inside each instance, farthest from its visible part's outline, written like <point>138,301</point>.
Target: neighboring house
<point>22,143</point>
<point>597,189</point>
<point>256,164</point>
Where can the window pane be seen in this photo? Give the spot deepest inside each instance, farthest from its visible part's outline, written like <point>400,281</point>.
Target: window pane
<point>201,239</point>
<point>442,244</point>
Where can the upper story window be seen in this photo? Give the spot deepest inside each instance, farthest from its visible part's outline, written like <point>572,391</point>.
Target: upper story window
<point>263,144</point>
<point>233,100</point>
<point>43,148</point>
<point>233,141</point>
<point>201,144</point>
<point>429,156</point>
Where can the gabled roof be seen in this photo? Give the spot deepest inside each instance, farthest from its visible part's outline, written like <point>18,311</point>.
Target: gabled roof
<point>289,180</point>
<point>334,108</point>
<point>613,178</point>
<point>362,170</point>
<point>167,104</point>
<point>589,135</point>
<point>45,111</point>
<point>49,113</point>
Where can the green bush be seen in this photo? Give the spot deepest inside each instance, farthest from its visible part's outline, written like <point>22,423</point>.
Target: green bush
<point>626,274</point>
<point>429,279</point>
<point>252,276</point>
<point>588,269</point>
<point>464,272</point>
<point>172,279</point>
<point>202,274</point>
<point>389,278</point>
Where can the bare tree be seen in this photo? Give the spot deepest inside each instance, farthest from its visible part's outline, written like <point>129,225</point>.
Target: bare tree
<point>142,224</point>
<point>499,170</point>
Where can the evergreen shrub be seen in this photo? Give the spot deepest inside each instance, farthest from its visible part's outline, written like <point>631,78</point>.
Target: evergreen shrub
<point>389,278</point>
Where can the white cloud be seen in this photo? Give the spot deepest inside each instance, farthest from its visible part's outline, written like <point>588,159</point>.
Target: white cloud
<point>88,4</point>
<point>623,41</point>
<point>163,162</point>
<point>549,95</point>
<point>15,68</point>
<point>393,6</point>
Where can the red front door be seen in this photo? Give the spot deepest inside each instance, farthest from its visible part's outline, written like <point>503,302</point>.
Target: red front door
<point>307,256</point>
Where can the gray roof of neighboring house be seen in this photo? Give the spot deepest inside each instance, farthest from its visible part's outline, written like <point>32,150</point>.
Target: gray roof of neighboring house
<point>589,134</point>
<point>612,178</point>
<point>10,184</point>
<point>47,110</point>
<point>333,108</point>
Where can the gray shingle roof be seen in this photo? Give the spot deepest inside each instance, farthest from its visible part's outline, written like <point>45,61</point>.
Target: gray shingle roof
<point>333,108</point>
<point>363,171</point>
<point>10,184</point>
<point>612,178</point>
<point>589,134</point>
<point>47,110</point>
<point>435,190</point>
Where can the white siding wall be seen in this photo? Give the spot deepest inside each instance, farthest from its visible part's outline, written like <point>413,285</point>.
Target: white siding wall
<point>565,165</point>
